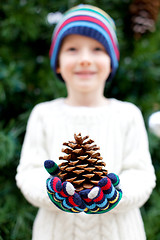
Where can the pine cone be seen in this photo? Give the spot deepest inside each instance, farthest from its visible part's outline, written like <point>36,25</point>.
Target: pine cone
<point>144,15</point>
<point>83,165</point>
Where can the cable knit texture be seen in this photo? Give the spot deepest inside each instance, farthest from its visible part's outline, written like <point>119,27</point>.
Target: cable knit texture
<point>119,130</point>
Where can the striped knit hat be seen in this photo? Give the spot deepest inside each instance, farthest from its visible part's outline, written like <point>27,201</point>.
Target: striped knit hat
<point>88,21</point>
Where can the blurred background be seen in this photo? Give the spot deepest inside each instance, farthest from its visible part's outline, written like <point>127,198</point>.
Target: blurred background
<point>26,79</point>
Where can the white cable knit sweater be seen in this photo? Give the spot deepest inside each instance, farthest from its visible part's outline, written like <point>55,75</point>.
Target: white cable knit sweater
<point>118,129</point>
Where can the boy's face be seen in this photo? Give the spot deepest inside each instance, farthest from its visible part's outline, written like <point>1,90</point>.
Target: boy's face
<point>83,64</point>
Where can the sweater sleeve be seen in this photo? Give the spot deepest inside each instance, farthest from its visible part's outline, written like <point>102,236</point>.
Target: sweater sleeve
<point>31,175</point>
<point>137,176</point>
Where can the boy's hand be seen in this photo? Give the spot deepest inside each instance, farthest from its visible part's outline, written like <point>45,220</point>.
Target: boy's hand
<point>99,199</point>
<point>104,197</point>
<point>63,195</point>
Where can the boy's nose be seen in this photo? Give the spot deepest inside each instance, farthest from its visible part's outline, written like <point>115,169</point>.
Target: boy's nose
<point>85,63</point>
<point>85,58</point>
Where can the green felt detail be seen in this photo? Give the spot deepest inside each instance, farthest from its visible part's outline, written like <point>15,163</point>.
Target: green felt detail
<point>110,207</point>
<point>59,204</point>
<point>115,184</point>
<point>53,169</point>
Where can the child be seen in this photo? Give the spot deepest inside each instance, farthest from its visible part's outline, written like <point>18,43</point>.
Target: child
<point>84,53</point>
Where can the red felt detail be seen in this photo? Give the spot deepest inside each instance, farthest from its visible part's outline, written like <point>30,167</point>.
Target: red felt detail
<point>63,194</point>
<point>99,198</point>
<point>54,183</point>
<point>107,186</point>
<point>87,200</point>
<point>71,201</point>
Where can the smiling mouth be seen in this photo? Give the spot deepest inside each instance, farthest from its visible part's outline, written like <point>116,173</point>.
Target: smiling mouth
<point>85,73</point>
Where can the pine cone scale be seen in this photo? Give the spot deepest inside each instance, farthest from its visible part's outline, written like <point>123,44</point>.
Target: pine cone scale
<point>78,182</point>
<point>82,166</point>
<point>82,157</point>
<point>78,171</point>
<point>68,169</point>
<point>73,163</point>
<point>71,179</point>
<point>87,185</point>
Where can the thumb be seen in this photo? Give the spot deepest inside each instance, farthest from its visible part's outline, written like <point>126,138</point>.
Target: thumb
<point>51,167</point>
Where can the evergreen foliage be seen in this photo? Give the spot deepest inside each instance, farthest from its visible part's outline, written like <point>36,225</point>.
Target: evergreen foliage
<point>26,79</point>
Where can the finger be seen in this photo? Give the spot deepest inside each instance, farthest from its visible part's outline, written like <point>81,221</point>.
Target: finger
<point>51,167</point>
<point>58,201</point>
<point>97,195</point>
<point>54,184</point>
<point>109,190</point>
<point>68,189</point>
<point>88,202</point>
<point>74,200</point>
<point>84,196</point>
<point>105,184</point>
<point>114,179</point>
<point>112,195</point>
<point>81,207</point>
<point>70,202</point>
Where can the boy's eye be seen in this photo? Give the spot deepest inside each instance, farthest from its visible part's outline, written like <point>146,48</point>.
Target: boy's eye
<point>98,49</point>
<point>72,49</point>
